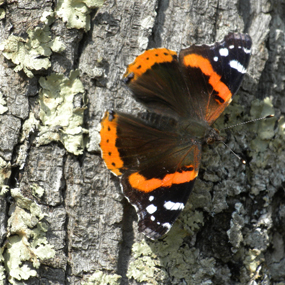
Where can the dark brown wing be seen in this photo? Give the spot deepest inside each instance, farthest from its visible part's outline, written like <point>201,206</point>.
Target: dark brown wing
<point>157,168</point>
<point>200,86</point>
<point>214,73</point>
<point>156,81</point>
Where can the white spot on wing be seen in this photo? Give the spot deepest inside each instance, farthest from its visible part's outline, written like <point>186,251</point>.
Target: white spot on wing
<point>152,218</point>
<point>169,205</point>
<point>231,46</point>
<point>151,209</point>
<point>150,198</point>
<point>246,50</point>
<point>238,66</point>
<point>215,58</point>
<point>166,225</point>
<point>224,51</point>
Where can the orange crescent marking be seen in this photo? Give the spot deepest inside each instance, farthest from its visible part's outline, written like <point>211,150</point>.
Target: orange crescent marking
<point>140,183</point>
<point>204,64</point>
<point>147,59</point>
<point>110,153</point>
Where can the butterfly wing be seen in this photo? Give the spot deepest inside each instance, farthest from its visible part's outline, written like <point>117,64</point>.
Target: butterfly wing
<point>157,167</point>
<point>157,210</point>
<point>198,86</point>
<point>214,73</point>
<point>156,81</point>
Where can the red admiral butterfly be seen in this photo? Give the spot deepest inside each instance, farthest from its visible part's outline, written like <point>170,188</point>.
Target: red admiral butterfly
<point>157,155</point>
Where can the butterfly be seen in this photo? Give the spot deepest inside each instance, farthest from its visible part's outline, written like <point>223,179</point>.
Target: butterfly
<point>157,154</point>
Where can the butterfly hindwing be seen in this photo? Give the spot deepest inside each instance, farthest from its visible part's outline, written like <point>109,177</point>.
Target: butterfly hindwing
<point>153,178</point>
<point>158,209</point>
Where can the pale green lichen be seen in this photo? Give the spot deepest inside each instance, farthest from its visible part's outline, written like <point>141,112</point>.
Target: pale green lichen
<point>29,126</point>
<point>236,225</point>
<point>32,53</point>
<point>3,190</point>
<point>155,268</point>
<point>26,241</point>
<point>264,128</point>
<point>281,129</point>
<point>1,255</point>
<point>192,221</point>
<point>100,278</point>
<point>2,13</point>
<point>278,143</point>
<point>189,264</point>
<point>3,108</point>
<point>252,261</point>
<point>264,131</point>
<point>146,266</point>
<point>2,268</point>
<point>75,13</point>
<point>61,121</point>
<point>37,190</point>
<point>48,17</point>
<point>2,275</point>
<point>16,253</point>
<point>5,172</point>
<point>2,16</point>
<point>57,45</point>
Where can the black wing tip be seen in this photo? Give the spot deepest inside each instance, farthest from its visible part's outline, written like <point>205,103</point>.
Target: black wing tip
<point>231,37</point>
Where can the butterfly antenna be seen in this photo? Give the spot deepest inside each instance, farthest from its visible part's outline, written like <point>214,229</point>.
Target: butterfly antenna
<point>240,124</point>
<point>238,157</point>
<point>250,121</point>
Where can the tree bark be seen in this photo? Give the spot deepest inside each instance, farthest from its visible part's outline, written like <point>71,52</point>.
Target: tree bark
<point>63,219</point>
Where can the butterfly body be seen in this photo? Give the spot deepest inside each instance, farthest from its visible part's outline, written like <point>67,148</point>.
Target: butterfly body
<point>157,154</point>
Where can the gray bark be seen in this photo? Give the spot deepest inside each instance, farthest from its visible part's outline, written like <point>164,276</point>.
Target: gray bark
<point>233,228</point>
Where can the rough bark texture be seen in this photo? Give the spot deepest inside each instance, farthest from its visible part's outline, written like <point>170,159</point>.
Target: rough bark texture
<point>64,214</point>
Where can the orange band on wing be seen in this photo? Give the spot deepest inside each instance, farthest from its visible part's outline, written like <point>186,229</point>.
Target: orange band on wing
<point>204,64</point>
<point>140,183</point>
<point>146,60</point>
<point>108,134</point>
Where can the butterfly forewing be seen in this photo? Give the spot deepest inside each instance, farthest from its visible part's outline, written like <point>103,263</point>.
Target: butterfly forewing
<point>215,72</point>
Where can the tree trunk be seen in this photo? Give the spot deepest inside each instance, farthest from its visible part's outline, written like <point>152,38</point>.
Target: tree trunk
<point>63,219</point>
